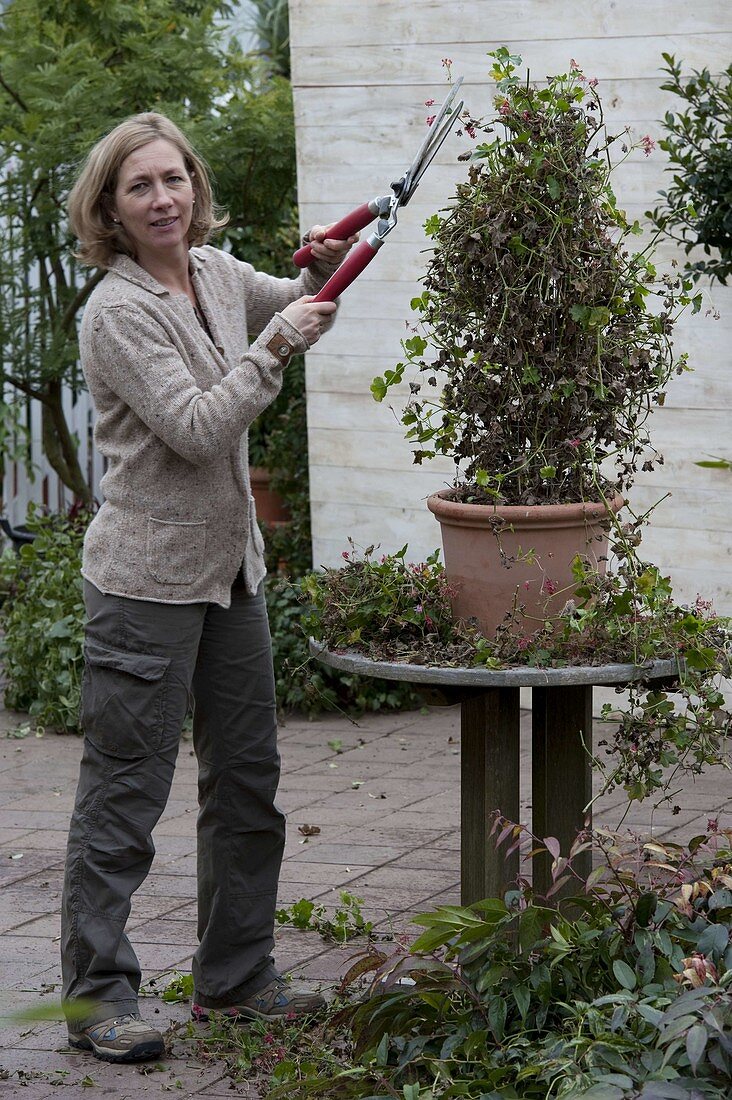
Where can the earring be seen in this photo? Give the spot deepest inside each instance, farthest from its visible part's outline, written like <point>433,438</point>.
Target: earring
<point>116,221</point>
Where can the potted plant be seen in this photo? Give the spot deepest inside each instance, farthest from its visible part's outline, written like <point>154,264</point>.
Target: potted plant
<point>543,343</point>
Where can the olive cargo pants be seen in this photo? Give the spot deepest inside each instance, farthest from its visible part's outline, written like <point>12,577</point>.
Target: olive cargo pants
<point>143,664</point>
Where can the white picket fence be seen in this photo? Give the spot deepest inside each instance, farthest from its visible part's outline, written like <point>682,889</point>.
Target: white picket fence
<point>37,481</point>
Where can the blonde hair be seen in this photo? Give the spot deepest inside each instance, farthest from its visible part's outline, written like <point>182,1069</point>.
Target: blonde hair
<point>92,196</point>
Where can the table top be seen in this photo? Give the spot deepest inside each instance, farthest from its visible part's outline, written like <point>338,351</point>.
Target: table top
<point>350,661</point>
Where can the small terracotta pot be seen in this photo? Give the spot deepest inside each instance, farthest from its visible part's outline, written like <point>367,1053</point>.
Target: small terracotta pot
<point>497,556</point>
<point>270,506</point>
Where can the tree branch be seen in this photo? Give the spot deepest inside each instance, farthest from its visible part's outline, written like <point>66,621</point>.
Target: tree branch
<point>25,387</point>
<point>13,95</point>
<point>78,301</point>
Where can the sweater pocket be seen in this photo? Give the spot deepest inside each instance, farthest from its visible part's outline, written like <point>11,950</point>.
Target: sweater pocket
<point>175,550</point>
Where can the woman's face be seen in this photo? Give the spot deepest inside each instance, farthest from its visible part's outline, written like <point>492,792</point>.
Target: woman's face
<point>154,201</point>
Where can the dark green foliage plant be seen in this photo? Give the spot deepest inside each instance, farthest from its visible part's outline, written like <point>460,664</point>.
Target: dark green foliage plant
<point>622,992</point>
<point>390,610</point>
<point>304,685</point>
<point>697,206</point>
<point>42,617</point>
<point>68,73</point>
<point>543,336</point>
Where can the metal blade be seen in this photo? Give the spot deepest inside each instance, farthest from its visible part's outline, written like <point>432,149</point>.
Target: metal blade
<point>429,148</point>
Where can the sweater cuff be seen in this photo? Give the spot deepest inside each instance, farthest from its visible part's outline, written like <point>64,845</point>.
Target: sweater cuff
<point>282,340</point>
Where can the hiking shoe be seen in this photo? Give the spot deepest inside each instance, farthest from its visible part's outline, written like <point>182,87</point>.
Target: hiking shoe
<point>275,1001</point>
<point>123,1039</point>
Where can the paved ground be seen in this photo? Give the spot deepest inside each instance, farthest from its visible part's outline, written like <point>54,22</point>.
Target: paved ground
<point>385,796</point>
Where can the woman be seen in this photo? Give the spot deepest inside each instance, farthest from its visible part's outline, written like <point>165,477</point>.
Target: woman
<point>173,574</point>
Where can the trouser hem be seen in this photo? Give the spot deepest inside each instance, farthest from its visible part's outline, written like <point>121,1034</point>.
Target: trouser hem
<point>240,992</point>
<point>107,1010</point>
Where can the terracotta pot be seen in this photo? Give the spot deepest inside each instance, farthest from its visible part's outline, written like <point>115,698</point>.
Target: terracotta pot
<point>270,506</point>
<point>496,556</point>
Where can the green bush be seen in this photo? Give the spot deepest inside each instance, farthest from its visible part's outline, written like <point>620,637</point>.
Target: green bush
<point>311,688</point>
<point>621,993</point>
<point>42,619</point>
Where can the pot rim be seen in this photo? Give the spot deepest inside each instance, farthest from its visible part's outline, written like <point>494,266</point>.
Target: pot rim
<point>456,514</point>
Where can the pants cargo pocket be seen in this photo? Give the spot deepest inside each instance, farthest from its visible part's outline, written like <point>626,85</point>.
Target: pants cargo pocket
<point>123,700</point>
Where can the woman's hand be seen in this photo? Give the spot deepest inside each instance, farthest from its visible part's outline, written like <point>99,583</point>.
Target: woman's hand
<point>309,317</point>
<point>327,248</point>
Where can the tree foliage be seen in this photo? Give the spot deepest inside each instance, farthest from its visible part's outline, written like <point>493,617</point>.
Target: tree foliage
<point>697,207</point>
<point>69,71</point>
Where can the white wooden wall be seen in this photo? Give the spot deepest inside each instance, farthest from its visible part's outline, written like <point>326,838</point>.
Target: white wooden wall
<point>362,70</point>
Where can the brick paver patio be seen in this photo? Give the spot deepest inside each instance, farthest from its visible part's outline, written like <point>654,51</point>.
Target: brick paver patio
<point>385,796</point>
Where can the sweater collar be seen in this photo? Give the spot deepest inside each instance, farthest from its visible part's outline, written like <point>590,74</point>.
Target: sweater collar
<point>126,268</point>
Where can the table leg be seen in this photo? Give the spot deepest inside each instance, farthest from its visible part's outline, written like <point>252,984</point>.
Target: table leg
<point>490,781</point>
<point>561,772</point>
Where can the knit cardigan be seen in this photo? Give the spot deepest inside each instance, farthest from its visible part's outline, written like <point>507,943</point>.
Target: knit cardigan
<point>173,408</point>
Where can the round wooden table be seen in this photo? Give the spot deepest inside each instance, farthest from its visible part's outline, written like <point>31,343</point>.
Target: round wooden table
<point>561,770</point>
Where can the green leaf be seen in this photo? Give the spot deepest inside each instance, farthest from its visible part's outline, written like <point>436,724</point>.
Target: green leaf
<point>624,974</point>
<point>522,997</point>
<point>644,910</point>
<point>531,925</point>
<point>696,1044</point>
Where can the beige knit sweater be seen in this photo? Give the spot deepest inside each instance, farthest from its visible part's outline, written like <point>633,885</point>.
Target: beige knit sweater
<point>173,405</point>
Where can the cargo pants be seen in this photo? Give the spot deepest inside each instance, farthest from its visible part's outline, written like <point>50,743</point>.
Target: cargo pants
<point>144,664</point>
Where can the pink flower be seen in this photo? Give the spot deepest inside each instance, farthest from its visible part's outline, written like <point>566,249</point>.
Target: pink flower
<point>713,825</point>
<point>470,130</point>
<point>505,108</point>
<point>527,585</point>
<point>526,116</point>
<point>447,62</point>
<point>429,102</point>
<point>593,82</point>
<point>549,587</point>
<point>574,442</point>
<point>573,64</point>
<point>525,642</point>
<point>345,555</point>
<point>430,119</point>
<point>648,144</point>
<point>418,608</point>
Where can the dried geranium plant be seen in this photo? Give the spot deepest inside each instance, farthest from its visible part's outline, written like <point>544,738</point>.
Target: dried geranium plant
<point>545,332</point>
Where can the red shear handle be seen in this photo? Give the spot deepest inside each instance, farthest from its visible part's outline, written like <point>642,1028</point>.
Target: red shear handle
<point>341,231</point>
<point>349,270</point>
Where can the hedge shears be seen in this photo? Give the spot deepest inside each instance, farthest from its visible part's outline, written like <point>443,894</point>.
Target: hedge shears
<point>384,208</point>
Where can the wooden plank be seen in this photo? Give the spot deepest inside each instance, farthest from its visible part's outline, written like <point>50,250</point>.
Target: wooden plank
<point>349,484</point>
<point>411,62</point>
<point>636,98</point>
<point>697,509</point>
<point>355,23</point>
<point>561,775</point>
<point>634,181</point>
<point>382,449</point>
<point>489,765</point>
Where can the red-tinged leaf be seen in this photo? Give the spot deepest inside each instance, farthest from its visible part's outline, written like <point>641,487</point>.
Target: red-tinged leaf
<point>558,866</point>
<point>516,844</point>
<point>504,834</point>
<point>594,877</point>
<point>372,961</point>
<point>577,848</point>
<point>560,882</point>
<point>552,845</point>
